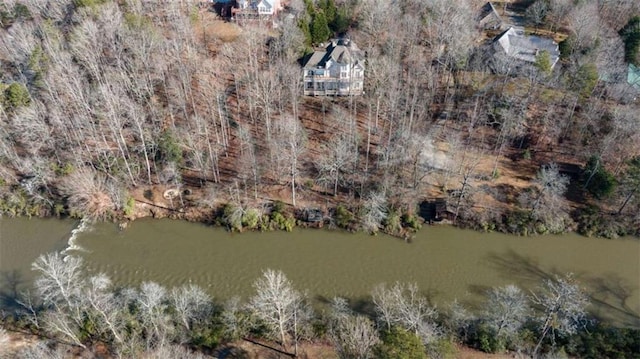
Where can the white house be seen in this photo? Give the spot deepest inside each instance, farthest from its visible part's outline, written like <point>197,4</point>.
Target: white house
<point>336,70</point>
<point>258,7</point>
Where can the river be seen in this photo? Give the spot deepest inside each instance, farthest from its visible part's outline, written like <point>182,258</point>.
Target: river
<point>447,263</point>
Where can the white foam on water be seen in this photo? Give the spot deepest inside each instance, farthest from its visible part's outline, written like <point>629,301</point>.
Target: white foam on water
<point>72,245</point>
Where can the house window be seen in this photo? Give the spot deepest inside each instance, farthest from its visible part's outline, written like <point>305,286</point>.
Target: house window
<point>310,73</point>
<point>309,85</point>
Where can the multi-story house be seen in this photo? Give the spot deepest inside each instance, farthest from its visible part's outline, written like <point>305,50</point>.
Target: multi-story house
<point>257,7</point>
<point>336,70</point>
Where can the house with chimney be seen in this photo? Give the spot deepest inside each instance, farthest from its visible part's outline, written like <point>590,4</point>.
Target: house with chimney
<point>336,70</point>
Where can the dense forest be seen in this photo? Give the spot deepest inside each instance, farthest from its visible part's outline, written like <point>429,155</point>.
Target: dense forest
<point>74,313</point>
<point>122,109</point>
<point>118,109</point>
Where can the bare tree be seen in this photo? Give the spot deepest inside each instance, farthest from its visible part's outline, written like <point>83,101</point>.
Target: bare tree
<point>585,23</point>
<point>104,309</point>
<point>40,349</point>
<point>546,202</point>
<point>152,304</point>
<point>279,306</point>
<point>374,211</point>
<point>507,309</point>
<point>451,30</point>
<point>4,338</point>
<point>537,12</point>
<point>290,143</point>
<point>235,318</point>
<point>354,337</point>
<point>191,304</point>
<point>88,193</point>
<point>563,308</point>
<point>59,285</point>
<point>337,162</point>
<point>403,305</point>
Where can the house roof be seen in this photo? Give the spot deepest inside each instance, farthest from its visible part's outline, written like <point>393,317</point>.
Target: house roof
<point>523,47</point>
<point>633,76</point>
<point>487,13</point>
<point>266,4</point>
<point>340,51</point>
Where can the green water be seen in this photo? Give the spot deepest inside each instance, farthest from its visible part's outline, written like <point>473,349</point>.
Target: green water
<point>447,263</point>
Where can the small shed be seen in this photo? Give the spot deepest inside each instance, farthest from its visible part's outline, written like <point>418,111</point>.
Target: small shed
<point>436,210</point>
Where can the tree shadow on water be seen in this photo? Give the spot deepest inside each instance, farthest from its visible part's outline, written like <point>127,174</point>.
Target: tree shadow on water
<point>10,283</point>
<point>610,299</point>
<point>359,305</point>
<point>520,268</point>
<point>610,295</point>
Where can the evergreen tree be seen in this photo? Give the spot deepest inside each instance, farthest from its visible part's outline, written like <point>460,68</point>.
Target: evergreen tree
<point>543,62</point>
<point>319,28</point>
<point>304,26</point>
<point>330,10</point>
<point>597,180</point>
<point>341,21</point>
<point>630,34</point>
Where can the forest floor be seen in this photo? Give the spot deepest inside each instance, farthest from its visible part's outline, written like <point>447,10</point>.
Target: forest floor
<point>238,349</point>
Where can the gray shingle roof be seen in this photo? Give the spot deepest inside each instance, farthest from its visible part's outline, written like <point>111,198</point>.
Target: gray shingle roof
<point>341,51</point>
<point>523,47</point>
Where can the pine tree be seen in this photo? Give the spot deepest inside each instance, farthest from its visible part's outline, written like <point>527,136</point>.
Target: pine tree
<point>319,28</point>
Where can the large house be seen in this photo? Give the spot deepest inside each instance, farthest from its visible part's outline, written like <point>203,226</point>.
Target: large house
<point>513,44</point>
<point>336,70</point>
<point>257,7</point>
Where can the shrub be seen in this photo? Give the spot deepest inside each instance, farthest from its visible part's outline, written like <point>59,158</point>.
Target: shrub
<point>16,95</point>
<point>232,217</point>
<point>411,221</point>
<point>344,217</point>
<point>393,223</point>
<point>483,338</point>
<point>283,223</point>
<point>399,343</point>
<point>442,348</point>
<point>87,3</point>
<point>251,218</point>
<point>278,207</point>
<point>63,170</point>
<point>602,341</point>
<point>129,206</point>
<point>169,148</point>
